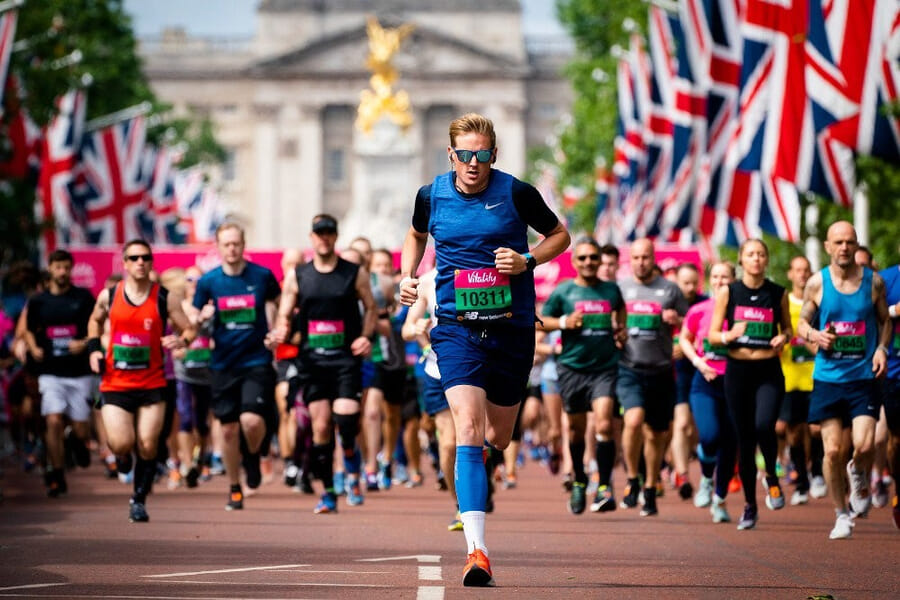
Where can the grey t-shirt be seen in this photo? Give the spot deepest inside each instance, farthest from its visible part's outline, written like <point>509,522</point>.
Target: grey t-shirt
<point>649,346</point>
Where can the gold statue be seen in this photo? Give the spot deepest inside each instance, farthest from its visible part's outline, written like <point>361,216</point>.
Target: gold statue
<point>381,100</point>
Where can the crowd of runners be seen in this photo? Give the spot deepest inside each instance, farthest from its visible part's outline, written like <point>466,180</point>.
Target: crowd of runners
<point>353,374</point>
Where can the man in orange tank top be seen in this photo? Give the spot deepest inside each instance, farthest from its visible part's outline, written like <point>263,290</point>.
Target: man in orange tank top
<point>133,378</point>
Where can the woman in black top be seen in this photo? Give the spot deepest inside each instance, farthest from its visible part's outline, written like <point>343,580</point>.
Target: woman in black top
<point>756,309</point>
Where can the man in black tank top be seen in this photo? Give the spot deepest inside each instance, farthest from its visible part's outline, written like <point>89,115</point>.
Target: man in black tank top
<point>334,338</point>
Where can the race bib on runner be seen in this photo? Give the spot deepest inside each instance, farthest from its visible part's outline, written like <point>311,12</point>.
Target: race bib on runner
<point>198,353</point>
<point>799,352</point>
<point>711,352</point>
<point>326,335</point>
<point>237,312</point>
<point>60,336</point>
<point>850,343</point>
<point>760,324</point>
<point>644,318</point>
<point>597,317</point>
<point>482,295</point>
<point>131,351</point>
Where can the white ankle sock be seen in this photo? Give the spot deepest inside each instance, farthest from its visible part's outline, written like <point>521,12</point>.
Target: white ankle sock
<point>473,528</point>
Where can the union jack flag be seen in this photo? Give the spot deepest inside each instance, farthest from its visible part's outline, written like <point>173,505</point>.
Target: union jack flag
<point>20,138</point>
<point>160,222</point>
<point>7,35</point>
<point>55,206</point>
<point>200,209</point>
<point>116,182</point>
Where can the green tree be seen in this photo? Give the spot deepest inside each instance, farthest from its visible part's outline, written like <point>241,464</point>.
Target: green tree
<point>90,44</point>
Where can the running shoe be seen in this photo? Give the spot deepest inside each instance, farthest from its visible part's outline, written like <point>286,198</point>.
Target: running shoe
<point>774,497</point>
<point>174,480</point>
<point>660,489</point>
<point>400,475</point>
<point>290,473</point>
<point>415,480</point>
<point>895,512</point>
<point>704,495</point>
<point>456,523</point>
<point>632,491</point>
<point>137,512</point>
<point>384,476</point>
<point>649,509</point>
<point>567,482</point>
<point>817,487</point>
<point>604,501</point>
<point>477,572</point>
<point>554,462</point>
<point>683,484</point>
<point>216,466</point>
<point>799,497</point>
<point>441,483</point>
<point>748,519</point>
<point>235,500</point>
<point>879,493</point>
<point>371,482</point>
<point>718,512</point>
<point>110,465</point>
<point>734,486</point>
<point>304,485</point>
<point>510,482</point>
<point>328,504</point>
<point>192,477</point>
<point>354,491</point>
<point>578,499</point>
<point>843,527</point>
<point>860,498</point>
<point>56,484</point>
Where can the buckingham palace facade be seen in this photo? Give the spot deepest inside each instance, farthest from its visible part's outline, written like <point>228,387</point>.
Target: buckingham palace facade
<point>284,102</point>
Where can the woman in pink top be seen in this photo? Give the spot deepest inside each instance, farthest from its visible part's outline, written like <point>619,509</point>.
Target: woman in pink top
<point>717,449</point>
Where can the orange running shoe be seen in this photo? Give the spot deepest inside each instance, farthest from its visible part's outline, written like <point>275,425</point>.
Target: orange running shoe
<point>477,572</point>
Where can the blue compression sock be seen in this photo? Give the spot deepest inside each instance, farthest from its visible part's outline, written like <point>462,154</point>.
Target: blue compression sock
<point>470,478</point>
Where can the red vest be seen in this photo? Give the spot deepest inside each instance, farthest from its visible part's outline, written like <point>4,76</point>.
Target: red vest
<point>134,358</point>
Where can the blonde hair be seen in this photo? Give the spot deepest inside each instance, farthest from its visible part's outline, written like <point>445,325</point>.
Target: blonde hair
<point>229,225</point>
<point>472,123</point>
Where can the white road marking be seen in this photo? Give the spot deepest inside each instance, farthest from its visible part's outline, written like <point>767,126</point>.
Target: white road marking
<point>29,586</point>
<point>277,584</point>
<point>427,558</point>
<point>242,570</point>
<point>430,573</point>
<point>430,592</point>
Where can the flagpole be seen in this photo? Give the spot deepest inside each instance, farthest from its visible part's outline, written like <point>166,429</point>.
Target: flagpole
<point>861,214</point>
<point>119,116</point>
<point>10,4</point>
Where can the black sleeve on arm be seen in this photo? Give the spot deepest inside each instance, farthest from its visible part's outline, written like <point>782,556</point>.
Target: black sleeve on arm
<point>532,208</point>
<point>422,210</point>
<point>162,302</point>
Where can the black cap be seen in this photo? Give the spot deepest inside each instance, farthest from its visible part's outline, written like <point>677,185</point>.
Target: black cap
<point>324,224</point>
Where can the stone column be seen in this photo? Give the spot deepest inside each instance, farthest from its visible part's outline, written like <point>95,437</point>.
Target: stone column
<point>262,220</point>
<point>308,195</point>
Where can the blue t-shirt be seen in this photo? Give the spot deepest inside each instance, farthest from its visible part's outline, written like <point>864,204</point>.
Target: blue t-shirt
<point>240,325</point>
<point>466,231</point>
<point>891,277</point>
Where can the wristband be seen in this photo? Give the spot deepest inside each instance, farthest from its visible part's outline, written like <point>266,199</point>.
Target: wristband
<point>809,335</point>
<point>892,311</point>
<point>883,349</point>
<point>562,322</point>
<point>696,361</point>
<point>722,337</point>
<point>93,345</point>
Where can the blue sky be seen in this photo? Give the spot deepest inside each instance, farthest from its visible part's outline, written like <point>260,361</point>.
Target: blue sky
<point>236,17</point>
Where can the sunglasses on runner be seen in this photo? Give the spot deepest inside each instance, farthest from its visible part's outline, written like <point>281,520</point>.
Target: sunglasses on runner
<point>137,257</point>
<point>585,257</point>
<point>481,156</point>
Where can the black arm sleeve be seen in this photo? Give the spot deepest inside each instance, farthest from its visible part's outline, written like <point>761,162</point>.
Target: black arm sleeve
<point>422,210</point>
<point>532,208</point>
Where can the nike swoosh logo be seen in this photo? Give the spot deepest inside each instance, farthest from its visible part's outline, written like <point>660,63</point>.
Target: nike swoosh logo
<point>492,206</point>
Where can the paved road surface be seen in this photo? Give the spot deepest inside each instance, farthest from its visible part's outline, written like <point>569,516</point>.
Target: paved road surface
<point>397,546</point>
